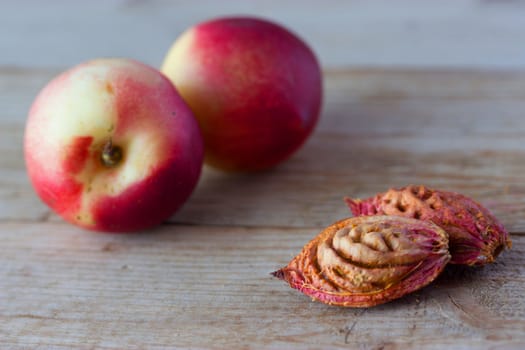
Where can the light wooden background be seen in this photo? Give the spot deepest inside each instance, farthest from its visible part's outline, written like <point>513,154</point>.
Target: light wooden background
<point>416,92</point>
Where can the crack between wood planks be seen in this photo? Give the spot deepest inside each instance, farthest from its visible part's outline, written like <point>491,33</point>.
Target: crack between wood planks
<point>459,307</point>
<point>31,316</point>
<point>349,332</point>
<point>47,217</point>
<point>246,226</point>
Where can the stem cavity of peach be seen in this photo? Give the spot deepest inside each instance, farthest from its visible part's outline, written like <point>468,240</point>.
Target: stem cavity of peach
<point>111,155</point>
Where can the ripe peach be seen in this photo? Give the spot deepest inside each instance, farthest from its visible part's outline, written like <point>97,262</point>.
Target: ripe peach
<point>254,87</point>
<point>111,146</point>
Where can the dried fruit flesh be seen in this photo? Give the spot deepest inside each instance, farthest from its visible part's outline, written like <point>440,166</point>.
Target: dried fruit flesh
<point>476,236</point>
<point>369,260</point>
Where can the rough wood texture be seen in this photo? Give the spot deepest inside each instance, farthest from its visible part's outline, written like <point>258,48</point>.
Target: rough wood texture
<point>202,280</point>
<point>209,287</point>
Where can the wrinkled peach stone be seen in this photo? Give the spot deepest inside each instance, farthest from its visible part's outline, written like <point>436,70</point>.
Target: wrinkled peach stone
<point>476,236</point>
<point>369,260</point>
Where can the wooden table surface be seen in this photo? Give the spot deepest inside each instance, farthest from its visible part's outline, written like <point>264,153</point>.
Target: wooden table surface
<point>201,280</point>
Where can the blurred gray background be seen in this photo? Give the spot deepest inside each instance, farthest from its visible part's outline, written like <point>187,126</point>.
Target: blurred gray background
<point>414,33</point>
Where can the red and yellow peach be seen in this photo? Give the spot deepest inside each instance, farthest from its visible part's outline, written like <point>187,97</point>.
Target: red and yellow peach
<point>254,87</point>
<point>111,146</point>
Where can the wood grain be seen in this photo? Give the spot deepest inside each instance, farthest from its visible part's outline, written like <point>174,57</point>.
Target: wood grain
<point>209,287</point>
<point>202,279</point>
<point>455,130</point>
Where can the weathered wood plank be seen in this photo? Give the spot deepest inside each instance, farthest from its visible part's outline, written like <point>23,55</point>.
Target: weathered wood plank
<point>382,129</point>
<point>209,287</point>
<point>459,131</point>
